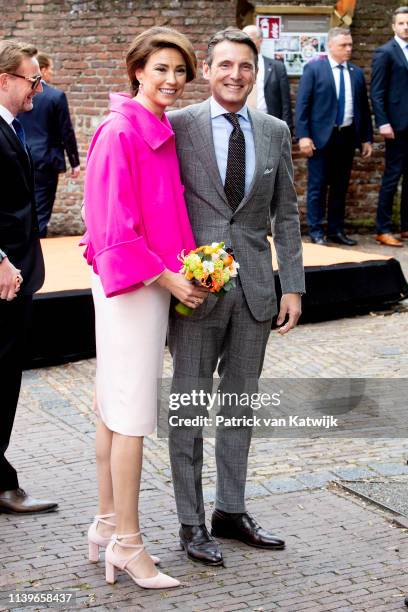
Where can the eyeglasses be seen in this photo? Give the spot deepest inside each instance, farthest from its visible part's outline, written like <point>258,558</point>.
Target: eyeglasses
<point>34,80</point>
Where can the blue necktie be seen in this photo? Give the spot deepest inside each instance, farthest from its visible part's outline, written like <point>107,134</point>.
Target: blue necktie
<point>341,102</point>
<point>20,133</point>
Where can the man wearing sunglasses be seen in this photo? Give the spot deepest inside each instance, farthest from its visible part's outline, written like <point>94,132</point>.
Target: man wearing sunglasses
<point>21,260</point>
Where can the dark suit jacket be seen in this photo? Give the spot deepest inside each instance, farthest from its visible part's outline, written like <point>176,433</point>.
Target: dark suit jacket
<point>316,104</point>
<point>389,86</point>
<point>277,91</point>
<point>18,219</point>
<point>49,131</point>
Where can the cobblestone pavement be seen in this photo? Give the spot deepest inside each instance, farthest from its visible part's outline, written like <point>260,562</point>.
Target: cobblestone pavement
<point>341,554</point>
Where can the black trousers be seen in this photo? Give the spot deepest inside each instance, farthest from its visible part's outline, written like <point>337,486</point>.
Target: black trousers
<point>329,171</point>
<point>15,319</point>
<point>396,166</point>
<point>46,183</point>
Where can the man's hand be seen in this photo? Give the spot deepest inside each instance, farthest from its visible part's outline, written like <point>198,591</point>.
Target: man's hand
<point>10,280</point>
<point>387,132</point>
<point>291,307</point>
<point>75,172</point>
<point>366,150</point>
<point>306,146</point>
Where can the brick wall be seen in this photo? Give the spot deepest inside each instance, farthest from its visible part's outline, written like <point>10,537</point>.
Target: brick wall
<point>88,39</point>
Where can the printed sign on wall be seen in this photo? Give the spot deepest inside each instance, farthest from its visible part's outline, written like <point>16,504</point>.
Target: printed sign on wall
<point>294,40</point>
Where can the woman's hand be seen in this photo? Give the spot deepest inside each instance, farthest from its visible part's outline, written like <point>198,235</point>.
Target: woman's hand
<point>189,294</point>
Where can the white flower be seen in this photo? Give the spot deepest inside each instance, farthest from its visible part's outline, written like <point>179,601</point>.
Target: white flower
<point>208,267</point>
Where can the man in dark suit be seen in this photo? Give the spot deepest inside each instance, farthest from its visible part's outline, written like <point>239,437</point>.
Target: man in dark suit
<point>271,92</point>
<point>21,261</point>
<point>332,119</point>
<point>389,88</point>
<point>49,133</point>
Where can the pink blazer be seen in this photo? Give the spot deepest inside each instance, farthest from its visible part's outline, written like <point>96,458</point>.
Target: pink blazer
<point>135,213</point>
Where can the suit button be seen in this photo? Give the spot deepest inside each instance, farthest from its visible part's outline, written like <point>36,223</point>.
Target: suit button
<point>232,221</point>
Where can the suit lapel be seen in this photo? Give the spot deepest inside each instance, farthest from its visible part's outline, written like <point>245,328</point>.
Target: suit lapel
<point>352,74</point>
<point>329,75</point>
<point>399,54</point>
<point>269,70</point>
<point>200,131</point>
<point>16,146</point>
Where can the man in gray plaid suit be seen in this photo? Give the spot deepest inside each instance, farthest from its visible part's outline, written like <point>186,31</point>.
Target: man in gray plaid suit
<point>237,171</point>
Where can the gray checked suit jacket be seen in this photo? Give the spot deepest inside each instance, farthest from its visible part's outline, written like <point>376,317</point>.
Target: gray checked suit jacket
<point>271,203</point>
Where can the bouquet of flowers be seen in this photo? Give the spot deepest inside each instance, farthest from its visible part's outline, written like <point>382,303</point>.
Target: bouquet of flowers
<point>211,266</point>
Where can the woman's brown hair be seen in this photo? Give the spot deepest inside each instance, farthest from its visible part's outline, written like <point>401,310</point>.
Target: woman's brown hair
<point>150,41</point>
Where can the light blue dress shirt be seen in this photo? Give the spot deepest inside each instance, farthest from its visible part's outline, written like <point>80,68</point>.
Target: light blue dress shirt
<point>221,131</point>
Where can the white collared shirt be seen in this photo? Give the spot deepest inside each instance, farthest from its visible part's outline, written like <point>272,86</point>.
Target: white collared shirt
<point>348,109</point>
<point>7,116</point>
<point>260,85</point>
<point>221,131</point>
<point>403,44</point>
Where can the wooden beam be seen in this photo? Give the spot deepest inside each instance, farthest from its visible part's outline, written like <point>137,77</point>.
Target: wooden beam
<point>280,9</point>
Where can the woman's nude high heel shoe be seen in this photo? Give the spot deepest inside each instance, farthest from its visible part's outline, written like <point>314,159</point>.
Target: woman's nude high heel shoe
<point>113,562</point>
<point>97,541</point>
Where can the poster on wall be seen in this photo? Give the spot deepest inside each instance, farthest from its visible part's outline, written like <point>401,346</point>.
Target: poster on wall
<point>294,48</point>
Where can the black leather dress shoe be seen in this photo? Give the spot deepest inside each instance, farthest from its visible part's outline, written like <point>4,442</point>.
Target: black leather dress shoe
<point>244,528</point>
<point>319,240</point>
<point>18,501</point>
<point>199,545</point>
<point>341,238</point>
<point>406,601</point>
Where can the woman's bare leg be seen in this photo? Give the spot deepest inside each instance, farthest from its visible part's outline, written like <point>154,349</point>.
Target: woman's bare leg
<point>103,470</point>
<point>126,469</point>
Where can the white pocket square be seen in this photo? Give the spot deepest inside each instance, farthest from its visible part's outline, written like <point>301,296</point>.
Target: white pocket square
<point>268,170</point>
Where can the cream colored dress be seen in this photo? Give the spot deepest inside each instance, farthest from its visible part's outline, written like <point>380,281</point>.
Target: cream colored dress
<point>130,340</point>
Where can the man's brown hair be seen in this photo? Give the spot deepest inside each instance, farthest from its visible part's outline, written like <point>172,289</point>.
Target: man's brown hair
<point>12,53</point>
<point>44,60</point>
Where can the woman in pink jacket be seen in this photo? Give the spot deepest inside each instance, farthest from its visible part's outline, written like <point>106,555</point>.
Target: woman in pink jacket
<point>137,224</point>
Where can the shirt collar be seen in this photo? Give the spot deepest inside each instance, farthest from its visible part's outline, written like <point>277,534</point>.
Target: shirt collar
<point>153,130</point>
<point>6,114</point>
<point>334,64</point>
<point>402,43</point>
<point>217,110</point>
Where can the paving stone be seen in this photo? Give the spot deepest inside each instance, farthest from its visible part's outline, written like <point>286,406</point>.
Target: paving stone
<point>390,469</point>
<point>354,473</point>
<point>315,480</point>
<point>283,485</point>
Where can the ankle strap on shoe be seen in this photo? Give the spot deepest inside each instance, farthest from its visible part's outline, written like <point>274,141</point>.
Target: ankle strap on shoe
<point>100,518</point>
<point>116,539</point>
<point>139,548</point>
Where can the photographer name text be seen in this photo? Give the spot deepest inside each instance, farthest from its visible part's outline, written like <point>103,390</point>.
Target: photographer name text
<point>323,422</point>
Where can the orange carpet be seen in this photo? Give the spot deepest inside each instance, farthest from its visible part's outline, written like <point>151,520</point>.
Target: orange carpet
<point>66,269</point>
